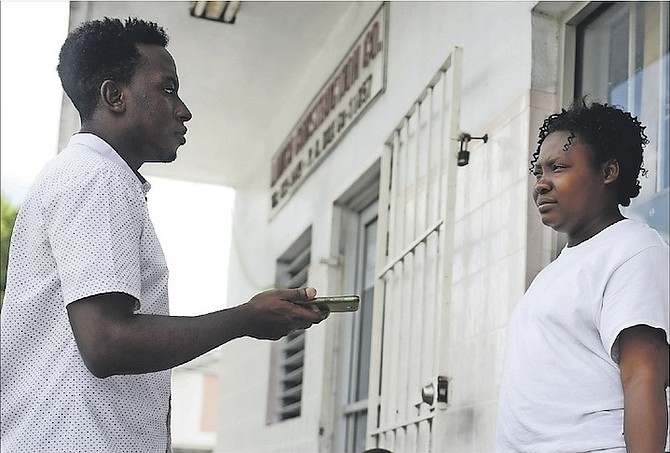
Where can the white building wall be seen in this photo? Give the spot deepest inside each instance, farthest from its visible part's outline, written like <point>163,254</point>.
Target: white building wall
<point>490,259</point>
<point>190,395</point>
<point>256,245</point>
<point>489,271</point>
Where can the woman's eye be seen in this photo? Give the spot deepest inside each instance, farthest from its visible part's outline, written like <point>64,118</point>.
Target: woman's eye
<point>556,167</point>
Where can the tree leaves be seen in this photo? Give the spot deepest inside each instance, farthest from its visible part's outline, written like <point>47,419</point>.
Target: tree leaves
<point>8,214</point>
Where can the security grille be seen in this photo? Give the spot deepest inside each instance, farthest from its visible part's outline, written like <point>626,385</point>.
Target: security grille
<point>416,198</point>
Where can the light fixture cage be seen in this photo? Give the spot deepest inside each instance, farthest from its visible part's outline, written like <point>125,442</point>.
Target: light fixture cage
<point>224,12</point>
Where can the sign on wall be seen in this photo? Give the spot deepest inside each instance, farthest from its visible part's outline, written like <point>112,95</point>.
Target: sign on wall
<point>358,79</point>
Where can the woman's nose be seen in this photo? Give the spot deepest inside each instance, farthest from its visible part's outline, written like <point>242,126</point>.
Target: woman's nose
<point>541,186</point>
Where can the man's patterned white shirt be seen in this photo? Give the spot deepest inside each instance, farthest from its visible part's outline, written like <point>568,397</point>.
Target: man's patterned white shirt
<point>84,229</point>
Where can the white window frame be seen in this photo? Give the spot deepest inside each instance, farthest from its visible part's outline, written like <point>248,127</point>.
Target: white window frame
<point>360,200</point>
<point>351,406</point>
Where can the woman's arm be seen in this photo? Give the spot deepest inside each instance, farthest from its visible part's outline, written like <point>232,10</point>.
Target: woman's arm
<point>643,353</point>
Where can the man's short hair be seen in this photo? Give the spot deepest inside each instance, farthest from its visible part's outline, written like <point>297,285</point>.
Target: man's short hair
<point>102,50</point>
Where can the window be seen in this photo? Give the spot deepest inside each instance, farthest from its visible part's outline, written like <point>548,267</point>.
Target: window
<point>355,240</point>
<point>288,355</point>
<point>622,59</point>
<point>359,335</point>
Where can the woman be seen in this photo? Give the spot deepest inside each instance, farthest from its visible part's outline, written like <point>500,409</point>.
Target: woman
<point>586,364</point>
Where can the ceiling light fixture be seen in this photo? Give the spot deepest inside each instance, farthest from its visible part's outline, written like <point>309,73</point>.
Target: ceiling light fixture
<point>217,11</point>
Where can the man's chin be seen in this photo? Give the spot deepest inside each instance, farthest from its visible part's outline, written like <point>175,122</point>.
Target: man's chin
<point>165,158</point>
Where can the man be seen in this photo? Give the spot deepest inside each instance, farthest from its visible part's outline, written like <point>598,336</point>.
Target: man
<point>87,342</point>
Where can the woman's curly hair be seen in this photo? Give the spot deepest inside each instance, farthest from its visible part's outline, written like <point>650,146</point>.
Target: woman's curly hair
<point>102,50</point>
<point>610,133</point>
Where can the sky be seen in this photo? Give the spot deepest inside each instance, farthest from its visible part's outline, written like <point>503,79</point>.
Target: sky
<point>193,221</point>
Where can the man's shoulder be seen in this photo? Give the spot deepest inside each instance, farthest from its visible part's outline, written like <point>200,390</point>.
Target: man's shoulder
<point>79,159</point>
<point>80,164</point>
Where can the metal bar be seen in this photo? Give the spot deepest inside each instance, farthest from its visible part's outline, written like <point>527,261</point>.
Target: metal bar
<point>444,68</point>
<point>397,426</point>
<point>292,392</point>
<point>298,279</point>
<point>295,341</point>
<point>295,359</point>
<point>379,314</point>
<point>300,261</point>
<point>293,376</point>
<point>414,311</point>
<point>354,407</point>
<point>405,334</point>
<point>290,409</point>
<point>399,189</point>
<point>410,248</point>
<point>442,310</point>
<point>401,186</point>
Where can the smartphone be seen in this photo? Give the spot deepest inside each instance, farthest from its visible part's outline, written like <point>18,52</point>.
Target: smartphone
<point>333,303</point>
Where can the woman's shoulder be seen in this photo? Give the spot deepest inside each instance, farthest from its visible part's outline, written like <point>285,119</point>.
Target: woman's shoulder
<point>618,243</point>
<point>636,233</point>
<point>631,238</point>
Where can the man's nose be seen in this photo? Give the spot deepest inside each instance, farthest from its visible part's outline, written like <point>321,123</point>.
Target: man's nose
<point>184,113</point>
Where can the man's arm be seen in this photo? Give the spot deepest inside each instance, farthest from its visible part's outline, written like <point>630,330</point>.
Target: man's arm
<point>114,340</point>
<point>643,353</point>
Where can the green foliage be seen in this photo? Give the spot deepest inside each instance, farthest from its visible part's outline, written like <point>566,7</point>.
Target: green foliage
<point>8,214</point>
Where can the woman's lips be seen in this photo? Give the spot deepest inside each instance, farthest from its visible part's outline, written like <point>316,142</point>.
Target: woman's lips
<point>544,205</point>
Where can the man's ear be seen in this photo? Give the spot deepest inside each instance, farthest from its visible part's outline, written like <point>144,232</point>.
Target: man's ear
<point>111,96</point>
<point>610,171</point>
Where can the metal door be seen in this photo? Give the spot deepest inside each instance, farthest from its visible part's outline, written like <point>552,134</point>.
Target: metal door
<point>417,196</point>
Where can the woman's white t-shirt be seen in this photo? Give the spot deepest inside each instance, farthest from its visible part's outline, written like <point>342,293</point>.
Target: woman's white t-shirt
<point>561,387</point>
